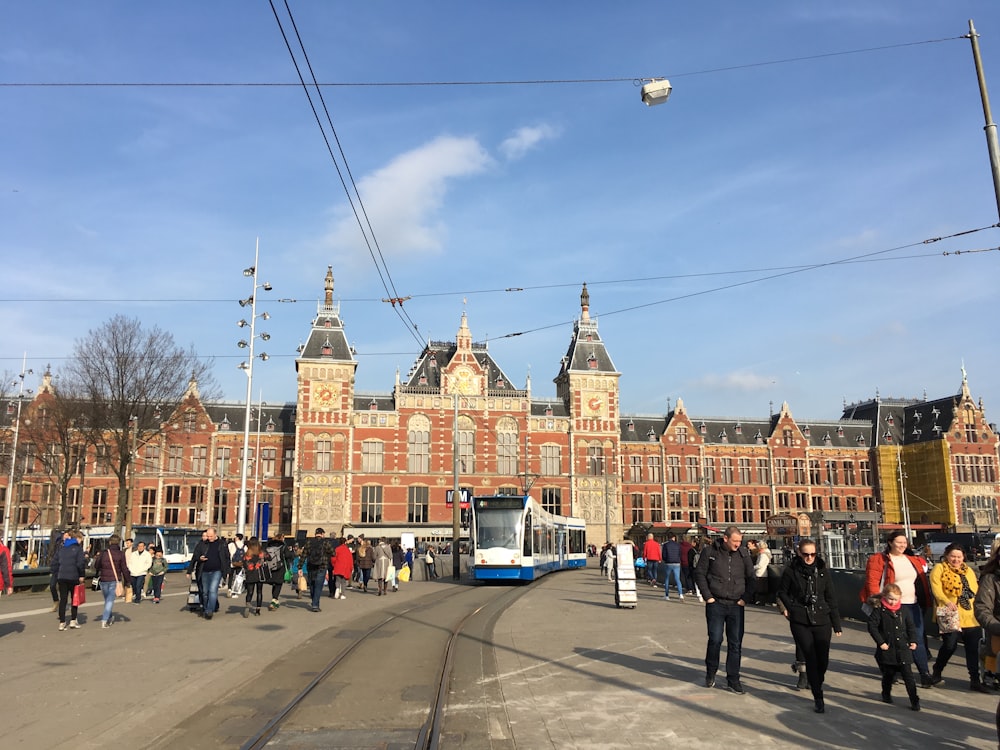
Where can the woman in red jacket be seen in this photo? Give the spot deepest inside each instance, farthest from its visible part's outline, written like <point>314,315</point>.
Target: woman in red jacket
<point>898,565</point>
<point>342,563</point>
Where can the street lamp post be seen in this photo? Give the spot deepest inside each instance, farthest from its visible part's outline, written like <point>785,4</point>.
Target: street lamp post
<point>247,367</point>
<point>8,502</point>
<point>991,127</point>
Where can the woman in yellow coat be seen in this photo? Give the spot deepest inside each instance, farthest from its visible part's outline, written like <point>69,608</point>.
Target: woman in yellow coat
<point>954,586</point>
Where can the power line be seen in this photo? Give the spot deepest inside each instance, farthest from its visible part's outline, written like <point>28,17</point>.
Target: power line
<point>380,264</point>
<point>500,82</point>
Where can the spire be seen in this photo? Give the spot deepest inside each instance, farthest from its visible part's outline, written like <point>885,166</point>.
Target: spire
<point>464,337</point>
<point>584,303</point>
<point>965,383</point>
<point>328,285</point>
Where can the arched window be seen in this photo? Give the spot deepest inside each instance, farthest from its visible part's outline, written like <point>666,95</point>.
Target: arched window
<point>507,446</point>
<point>418,445</point>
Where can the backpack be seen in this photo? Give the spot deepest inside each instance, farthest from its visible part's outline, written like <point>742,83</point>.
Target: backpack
<point>315,556</point>
<point>238,555</point>
<point>276,562</point>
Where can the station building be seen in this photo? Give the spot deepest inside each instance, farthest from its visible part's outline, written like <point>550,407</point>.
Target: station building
<point>382,463</point>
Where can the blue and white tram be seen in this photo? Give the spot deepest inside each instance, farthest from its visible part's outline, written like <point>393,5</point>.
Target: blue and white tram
<point>177,542</point>
<point>515,539</point>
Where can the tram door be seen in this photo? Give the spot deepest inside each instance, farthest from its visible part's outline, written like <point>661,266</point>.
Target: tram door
<point>561,546</point>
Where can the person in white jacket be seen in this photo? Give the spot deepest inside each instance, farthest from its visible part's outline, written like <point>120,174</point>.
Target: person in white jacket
<point>760,572</point>
<point>139,561</point>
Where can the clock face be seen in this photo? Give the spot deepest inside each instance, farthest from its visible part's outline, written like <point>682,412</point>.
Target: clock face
<point>593,404</point>
<point>323,395</point>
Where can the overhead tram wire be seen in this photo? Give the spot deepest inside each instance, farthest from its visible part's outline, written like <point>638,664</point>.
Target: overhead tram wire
<point>383,270</point>
<point>527,82</point>
<point>868,258</point>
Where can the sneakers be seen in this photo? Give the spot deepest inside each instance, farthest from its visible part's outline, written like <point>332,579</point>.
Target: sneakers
<point>105,625</point>
<point>314,609</point>
<point>62,626</point>
<point>681,598</point>
<point>74,625</point>
<point>735,686</point>
<point>710,680</point>
<point>156,601</point>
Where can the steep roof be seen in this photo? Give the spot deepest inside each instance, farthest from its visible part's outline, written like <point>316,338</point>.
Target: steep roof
<point>327,339</point>
<point>587,352</point>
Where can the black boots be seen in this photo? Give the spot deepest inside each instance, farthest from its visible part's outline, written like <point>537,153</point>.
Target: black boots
<point>803,681</point>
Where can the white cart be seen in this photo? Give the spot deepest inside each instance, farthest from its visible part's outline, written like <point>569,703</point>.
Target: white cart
<point>625,595</point>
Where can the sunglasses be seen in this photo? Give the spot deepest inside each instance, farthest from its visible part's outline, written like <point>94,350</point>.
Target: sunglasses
<point>808,554</point>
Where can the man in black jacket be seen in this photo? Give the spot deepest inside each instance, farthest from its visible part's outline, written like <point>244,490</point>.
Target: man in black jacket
<point>725,578</point>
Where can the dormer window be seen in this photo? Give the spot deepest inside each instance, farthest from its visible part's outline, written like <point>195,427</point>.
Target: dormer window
<point>703,428</point>
<point>327,323</point>
<point>887,437</point>
<point>861,440</point>
<point>589,337</point>
<point>548,411</point>
<point>827,440</point>
<point>840,431</point>
<point>806,431</point>
<point>269,427</point>
<point>373,405</point>
<point>432,360</point>
<point>631,426</point>
<point>916,432</point>
<point>739,428</point>
<point>916,416</point>
<point>651,435</point>
<point>759,438</point>
<point>11,409</point>
<point>500,381</point>
<point>224,424</point>
<point>327,349</point>
<point>724,436</point>
<point>592,361</point>
<point>889,420</point>
<point>937,429</point>
<point>423,379</point>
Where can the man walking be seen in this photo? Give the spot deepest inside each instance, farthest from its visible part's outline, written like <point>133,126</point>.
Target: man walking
<point>318,552</point>
<point>672,562</point>
<point>725,578</point>
<point>209,563</point>
<point>651,553</point>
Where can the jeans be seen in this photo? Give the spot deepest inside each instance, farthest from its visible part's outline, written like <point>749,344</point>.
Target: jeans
<point>724,618</point>
<point>210,580</point>
<point>920,655</point>
<point>651,566</point>
<point>316,586</point>
<point>137,585</point>
<point>108,589</point>
<point>157,584</point>
<point>970,640</point>
<point>673,573</point>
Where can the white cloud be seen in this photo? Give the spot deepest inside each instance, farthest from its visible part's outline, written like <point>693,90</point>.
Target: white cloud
<point>739,380</point>
<point>525,139</point>
<point>402,199</point>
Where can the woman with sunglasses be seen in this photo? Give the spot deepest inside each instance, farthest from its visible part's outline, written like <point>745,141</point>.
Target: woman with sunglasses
<point>810,605</point>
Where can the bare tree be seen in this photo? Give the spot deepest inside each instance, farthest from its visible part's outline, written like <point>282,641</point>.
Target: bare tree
<point>55,424</point>
<point>129,379</point>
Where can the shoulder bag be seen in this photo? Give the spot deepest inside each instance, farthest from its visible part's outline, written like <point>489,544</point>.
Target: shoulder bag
<point>947,620</point>
<point>119,587</point>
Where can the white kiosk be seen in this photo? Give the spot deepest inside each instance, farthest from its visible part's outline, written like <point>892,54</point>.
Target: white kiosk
<point>625,595</point>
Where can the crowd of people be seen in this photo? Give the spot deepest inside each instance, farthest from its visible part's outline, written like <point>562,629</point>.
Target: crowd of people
<point>900,592</point>
<point>124,572</point>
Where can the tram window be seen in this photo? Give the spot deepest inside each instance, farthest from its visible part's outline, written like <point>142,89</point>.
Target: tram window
<point>527,535</point>
<point>497,528</point>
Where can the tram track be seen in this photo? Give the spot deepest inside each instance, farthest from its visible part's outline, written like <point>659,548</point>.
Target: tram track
<point>389,685</point>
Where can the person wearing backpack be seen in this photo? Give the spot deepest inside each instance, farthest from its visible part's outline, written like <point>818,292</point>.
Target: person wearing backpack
<point>278,562</point>
<point>237,549</point>
<point>255,564</point>
<point>318,552</point>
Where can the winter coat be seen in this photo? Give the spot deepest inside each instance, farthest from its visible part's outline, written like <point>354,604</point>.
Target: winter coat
<point>342,561</point>
<point>879,571</point>
<point>366,556</point>
<point>724,575</point>
<point>671,552</point>
<point>651,551</point>
<point>806,592</point>
<point>70,563</point>
<point>255,567</point>
<point>946,588</point>
<point>896,629</point>
<point>987,604</point>
<point>383,560</point>
<point>104,569</point>
<point>279,559</point>
<point>763,560</point>
<point>201,548</point>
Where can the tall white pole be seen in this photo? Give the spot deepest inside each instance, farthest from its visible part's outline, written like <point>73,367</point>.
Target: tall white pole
<point>8,502</point>
<point>241,510</point>
<point>991,127</point>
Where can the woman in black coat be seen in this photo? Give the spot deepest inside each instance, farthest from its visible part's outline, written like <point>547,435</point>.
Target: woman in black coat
<point>806,592</point>
<point>69,568</point>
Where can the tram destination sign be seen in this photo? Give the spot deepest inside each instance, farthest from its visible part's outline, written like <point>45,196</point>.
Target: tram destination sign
<point>498,503</point>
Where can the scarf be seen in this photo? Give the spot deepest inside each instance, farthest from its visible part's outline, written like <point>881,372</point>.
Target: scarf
<point>894,607</point>
<point>955,585</point>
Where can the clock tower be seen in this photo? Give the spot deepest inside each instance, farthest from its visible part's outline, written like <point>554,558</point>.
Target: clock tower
<point>324,402</point>
<point>588,385</point>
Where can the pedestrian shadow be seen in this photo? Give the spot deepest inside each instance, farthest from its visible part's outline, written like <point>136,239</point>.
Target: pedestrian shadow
<point>9,628</point>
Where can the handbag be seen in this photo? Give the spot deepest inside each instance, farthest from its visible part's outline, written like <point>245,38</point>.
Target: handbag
<point>640,563</point>
<point>302,583</point>
<point>429,558</point>
<point>404,573</point>
<point>119,588</point>
<point>947,620</point>
<point>79,594</point>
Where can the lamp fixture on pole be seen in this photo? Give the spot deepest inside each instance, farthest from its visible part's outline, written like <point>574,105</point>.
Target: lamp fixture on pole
<point>656,91</point>
<point>13,452</point>
<point>247,367</point>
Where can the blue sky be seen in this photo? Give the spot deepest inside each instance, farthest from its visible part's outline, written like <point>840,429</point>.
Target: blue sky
<point>147,200</point>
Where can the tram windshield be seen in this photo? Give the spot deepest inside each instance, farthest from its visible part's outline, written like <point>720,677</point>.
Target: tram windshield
<point>497,528</point>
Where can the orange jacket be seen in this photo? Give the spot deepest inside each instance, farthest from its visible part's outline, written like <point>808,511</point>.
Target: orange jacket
<point>879,566</point>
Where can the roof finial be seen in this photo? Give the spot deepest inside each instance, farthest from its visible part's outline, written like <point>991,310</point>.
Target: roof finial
<point>328,285</point>
<point>585,303</point>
